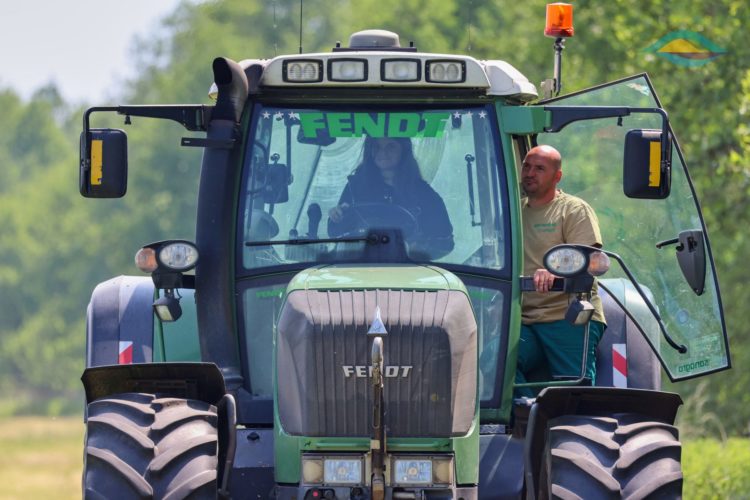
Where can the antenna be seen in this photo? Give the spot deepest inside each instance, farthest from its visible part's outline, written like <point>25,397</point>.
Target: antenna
<point>470,12</point>
<point>300,26</point>
<point>275,32</point>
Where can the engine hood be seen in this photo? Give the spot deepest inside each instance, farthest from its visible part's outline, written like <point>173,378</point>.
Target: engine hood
<point>323,352</point>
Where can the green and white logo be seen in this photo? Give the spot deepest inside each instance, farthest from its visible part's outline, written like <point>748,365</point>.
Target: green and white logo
<point>373,124</point>
<point>686,48</point>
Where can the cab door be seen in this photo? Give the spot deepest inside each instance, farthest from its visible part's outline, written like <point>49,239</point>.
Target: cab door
<point>663,241</point>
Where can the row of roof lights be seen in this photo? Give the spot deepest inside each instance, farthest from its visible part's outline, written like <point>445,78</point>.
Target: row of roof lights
<point>391,70</point>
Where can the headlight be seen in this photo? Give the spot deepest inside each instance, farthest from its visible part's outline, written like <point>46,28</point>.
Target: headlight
<point>400,70</point>
<point>342,471</point>
<point>302,70</point>
<point>332,470</point>
<point>179,256</point>
<point>347,70</point>
<point>312,470</point>
<point>413,472</point>
<point>571,260</point>
<point>422,471</point>
<point>445,71</point>
<point>167,256</point>
<point>565,261</point>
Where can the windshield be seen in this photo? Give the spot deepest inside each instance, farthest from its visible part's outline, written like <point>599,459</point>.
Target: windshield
<point>320,180</point>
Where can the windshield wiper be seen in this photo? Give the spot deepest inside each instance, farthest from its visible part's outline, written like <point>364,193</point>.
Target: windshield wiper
<point>306,241</point>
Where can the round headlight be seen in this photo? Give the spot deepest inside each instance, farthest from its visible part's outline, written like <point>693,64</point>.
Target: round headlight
<point>566,261</point>
<point>179,256</point>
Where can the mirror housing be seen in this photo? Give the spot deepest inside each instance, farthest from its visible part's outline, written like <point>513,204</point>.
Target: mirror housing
<point>277,184</point>
<point>103,163</point>
<point>691,255</point>
<point>647,160</point>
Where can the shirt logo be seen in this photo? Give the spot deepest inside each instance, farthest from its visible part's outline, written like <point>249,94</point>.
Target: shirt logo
<point>546,227</point>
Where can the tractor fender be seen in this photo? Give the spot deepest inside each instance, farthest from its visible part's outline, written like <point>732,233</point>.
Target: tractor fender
<point>624,355</point>
<point>201,381</point>
<point>500,464</point>
<point>602,401</point>
<point>120,322</point>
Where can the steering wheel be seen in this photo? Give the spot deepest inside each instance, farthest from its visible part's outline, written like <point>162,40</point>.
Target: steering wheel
<point>362,216</point>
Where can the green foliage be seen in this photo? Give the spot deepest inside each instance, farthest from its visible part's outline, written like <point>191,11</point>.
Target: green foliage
<point>57,246</point>
<point>716,470</point>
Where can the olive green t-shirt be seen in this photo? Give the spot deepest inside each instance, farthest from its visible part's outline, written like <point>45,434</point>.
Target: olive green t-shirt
<point>565,219</point>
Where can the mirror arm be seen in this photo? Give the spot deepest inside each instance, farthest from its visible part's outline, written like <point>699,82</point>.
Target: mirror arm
<point>681,348</point>
<point>193,117</point>
<point>562,116</point>
<point>671,241</point>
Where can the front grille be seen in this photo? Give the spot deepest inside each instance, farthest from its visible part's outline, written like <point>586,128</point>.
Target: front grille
<point>324,356</point>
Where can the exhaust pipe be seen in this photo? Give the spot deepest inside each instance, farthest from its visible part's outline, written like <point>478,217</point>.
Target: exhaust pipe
<point>232,85</point>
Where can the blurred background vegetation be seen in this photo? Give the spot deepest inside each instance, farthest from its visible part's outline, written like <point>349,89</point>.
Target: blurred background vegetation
<point>55,246</point>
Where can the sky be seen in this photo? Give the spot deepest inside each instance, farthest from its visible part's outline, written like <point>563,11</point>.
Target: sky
<point>83,46</point>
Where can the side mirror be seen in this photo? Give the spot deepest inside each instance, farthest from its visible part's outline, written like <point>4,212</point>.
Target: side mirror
<point>103,163</point>
<point>277,184</point>
<point>647,172</point>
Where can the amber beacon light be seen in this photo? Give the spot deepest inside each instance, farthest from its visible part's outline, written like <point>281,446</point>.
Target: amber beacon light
<point>559,20</point>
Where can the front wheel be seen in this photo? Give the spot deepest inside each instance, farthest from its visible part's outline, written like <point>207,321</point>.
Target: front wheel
<point>620,456</point>
<point>143,446</point>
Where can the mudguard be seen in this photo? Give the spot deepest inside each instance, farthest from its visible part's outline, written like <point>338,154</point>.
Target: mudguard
<point>201,381</point>
<point>120,322</point>
<point>500,464</point>
<point>624,357</point>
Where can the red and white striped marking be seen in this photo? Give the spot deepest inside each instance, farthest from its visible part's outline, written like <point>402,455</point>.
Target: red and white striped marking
<point>620,365</point>
<point>125,356</point>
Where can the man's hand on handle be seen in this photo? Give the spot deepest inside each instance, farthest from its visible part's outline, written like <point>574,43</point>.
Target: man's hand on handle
<point>543,280</point>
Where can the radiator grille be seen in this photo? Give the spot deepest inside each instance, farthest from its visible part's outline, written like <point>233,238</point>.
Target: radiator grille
<point>324,356</point>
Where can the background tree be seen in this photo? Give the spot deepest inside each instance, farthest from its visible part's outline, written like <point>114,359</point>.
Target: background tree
<point>55,246</point>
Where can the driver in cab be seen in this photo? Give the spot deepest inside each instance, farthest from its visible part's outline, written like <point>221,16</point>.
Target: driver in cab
<point>387,190</point>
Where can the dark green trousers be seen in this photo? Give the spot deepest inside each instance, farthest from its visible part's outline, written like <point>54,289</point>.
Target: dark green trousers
<point>555,348</point>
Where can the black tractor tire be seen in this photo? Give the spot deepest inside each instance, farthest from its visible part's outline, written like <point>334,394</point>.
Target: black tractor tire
<point>145,446</point>
<point>619,456</point>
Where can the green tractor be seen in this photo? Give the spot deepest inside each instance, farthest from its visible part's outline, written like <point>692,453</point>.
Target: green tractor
<point>278,357</point>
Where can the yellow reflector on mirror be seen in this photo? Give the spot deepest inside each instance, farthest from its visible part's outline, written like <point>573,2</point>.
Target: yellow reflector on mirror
<point>96,162</point>
<point>654,164</point>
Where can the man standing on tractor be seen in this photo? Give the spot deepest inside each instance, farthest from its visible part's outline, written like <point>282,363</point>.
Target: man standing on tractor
<point>551,217</point>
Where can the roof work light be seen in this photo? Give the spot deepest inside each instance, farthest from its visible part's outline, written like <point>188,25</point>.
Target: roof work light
<point>559,20</point>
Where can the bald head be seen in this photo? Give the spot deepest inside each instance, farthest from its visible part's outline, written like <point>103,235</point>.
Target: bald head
<point>548,153</point>
<point>540,174</point>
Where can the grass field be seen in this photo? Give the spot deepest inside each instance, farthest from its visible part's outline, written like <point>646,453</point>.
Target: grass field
<point>41,458</point>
